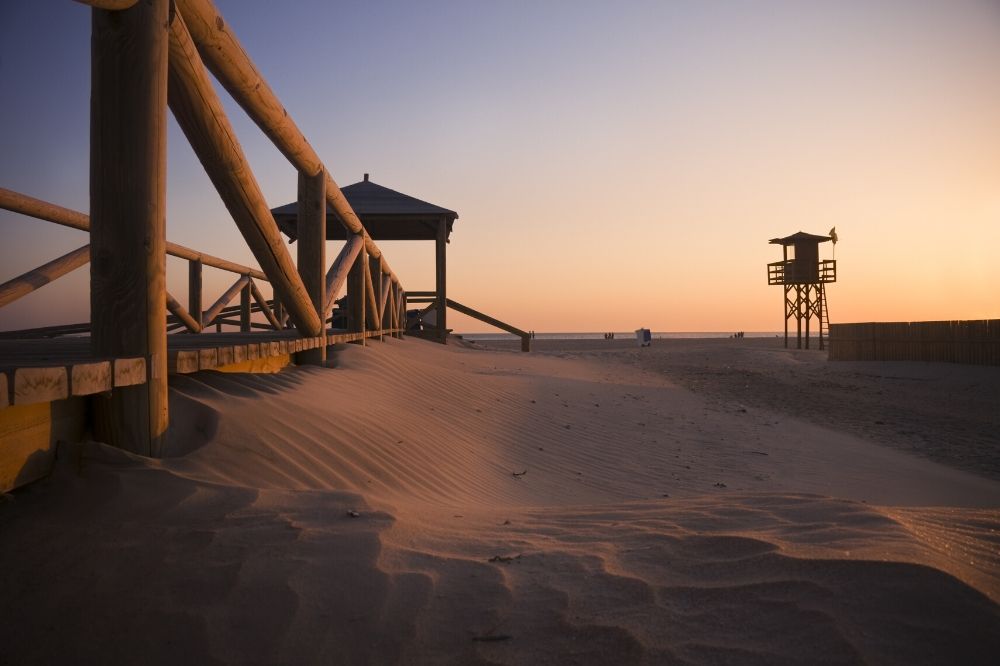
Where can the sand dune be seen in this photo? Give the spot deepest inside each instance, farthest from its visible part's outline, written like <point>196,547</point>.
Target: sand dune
<point>509,509</point>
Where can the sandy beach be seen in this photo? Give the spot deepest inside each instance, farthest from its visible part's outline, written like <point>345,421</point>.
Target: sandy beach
<point>702,501</point>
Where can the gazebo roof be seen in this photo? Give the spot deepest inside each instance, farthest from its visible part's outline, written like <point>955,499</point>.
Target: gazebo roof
<point>386,214</point>
<point>799,237</point>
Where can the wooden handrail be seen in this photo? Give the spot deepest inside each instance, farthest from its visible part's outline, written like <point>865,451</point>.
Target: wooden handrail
<point>24,284</point>
<point>466,310</point>
<point>43,210</point>
<point>112,5</point>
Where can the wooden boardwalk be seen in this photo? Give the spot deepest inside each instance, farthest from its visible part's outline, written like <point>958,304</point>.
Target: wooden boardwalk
<point>33,371</point>
<point>149,59</point>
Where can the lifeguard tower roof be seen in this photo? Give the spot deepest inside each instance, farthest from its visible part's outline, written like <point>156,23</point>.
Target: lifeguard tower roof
<point>799,237</point>
<point>385,213</point>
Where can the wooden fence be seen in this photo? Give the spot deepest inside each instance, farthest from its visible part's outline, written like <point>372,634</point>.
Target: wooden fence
<point>975,342</point>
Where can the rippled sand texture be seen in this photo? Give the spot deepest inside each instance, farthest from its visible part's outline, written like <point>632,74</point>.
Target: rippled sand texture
<point>422,504</point>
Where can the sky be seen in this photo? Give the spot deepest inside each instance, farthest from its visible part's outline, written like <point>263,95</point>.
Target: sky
<point>614,164</point>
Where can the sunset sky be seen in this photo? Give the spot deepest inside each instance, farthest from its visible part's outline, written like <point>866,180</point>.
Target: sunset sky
<point>614,164</point>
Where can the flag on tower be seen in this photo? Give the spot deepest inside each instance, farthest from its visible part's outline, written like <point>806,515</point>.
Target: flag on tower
<point>833,234</point>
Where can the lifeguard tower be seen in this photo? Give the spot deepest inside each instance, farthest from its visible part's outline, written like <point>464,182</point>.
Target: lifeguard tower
<point>804,276</point>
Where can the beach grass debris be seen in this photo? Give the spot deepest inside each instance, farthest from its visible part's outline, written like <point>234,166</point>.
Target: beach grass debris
<point>518,475</point>
<point>353,514</point>
<point>720,485</point>
<point>506,559</point>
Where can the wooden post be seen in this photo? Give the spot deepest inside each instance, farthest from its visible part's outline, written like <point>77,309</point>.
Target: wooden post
<point>203,120</point>
<point>798,316</point>
<point>356,295</point>
<point>384,310</point>
<point>128,168</point>
<point>312,252</point>
<point>373,288</point>
<point>194,290</point>
<point>245,308</point>
<point>389,315</point>
<point>441,280</point>
<point>403,306</point>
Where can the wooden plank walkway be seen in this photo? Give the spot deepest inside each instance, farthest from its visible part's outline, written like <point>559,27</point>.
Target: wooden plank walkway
<point>33,371</point>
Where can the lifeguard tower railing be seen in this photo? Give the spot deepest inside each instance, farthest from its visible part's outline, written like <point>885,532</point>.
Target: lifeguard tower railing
<point>788,272</point>
<point>147,56</point>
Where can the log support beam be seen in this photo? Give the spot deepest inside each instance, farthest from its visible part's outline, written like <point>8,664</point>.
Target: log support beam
<point>203,120</point>
<point>128,130</point>
<point>373,289</point>
<point>356,295</point>
<point>213,312</point>
<point>183,315</point>
<point>312,253</point>
<point>245,308</point>
<point>337,274</point>
<point>441,289</point>
<point>262,304</point>
<point>194,291</point>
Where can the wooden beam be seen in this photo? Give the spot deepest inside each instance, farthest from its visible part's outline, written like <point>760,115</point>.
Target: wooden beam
<point>466,310</point>
<point>259,298</point>
<point>400,311</point>
<point>24,284</point>
<point>32,385</point>
<point>371,303</point>
<point>245,307</point>
<point>209,317</point>
<point>356,296</point>
<point>312,252</point>
<point>176,309</point>
<point>226,59</point>
<point>90,378</point>
<point>200,114</point>
<point>110,5</point>
<point>441,281</point>
<point>194,292</point>
<point>383,301</point>
<point>128,169</point>
<point>42,210</point>
<point>337,274</point>
<point>129,371</point>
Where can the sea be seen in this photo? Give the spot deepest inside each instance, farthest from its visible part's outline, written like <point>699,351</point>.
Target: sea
<point>621,335</point>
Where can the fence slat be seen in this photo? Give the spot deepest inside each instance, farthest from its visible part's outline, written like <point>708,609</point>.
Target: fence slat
<point>975,342</point>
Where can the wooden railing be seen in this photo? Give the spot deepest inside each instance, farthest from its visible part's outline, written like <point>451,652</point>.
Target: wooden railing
<point>430,298</point>
<point>784,272</point>
<point>146,57</point>
<point>974,342</point>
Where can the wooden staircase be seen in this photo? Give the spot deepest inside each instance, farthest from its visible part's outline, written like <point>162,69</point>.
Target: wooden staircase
<point>824,316</point>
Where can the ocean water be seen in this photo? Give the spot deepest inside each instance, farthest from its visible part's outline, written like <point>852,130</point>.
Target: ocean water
<point>620,335</point>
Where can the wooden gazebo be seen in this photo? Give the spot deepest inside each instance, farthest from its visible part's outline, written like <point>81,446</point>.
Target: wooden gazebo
<point>389,215</point>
